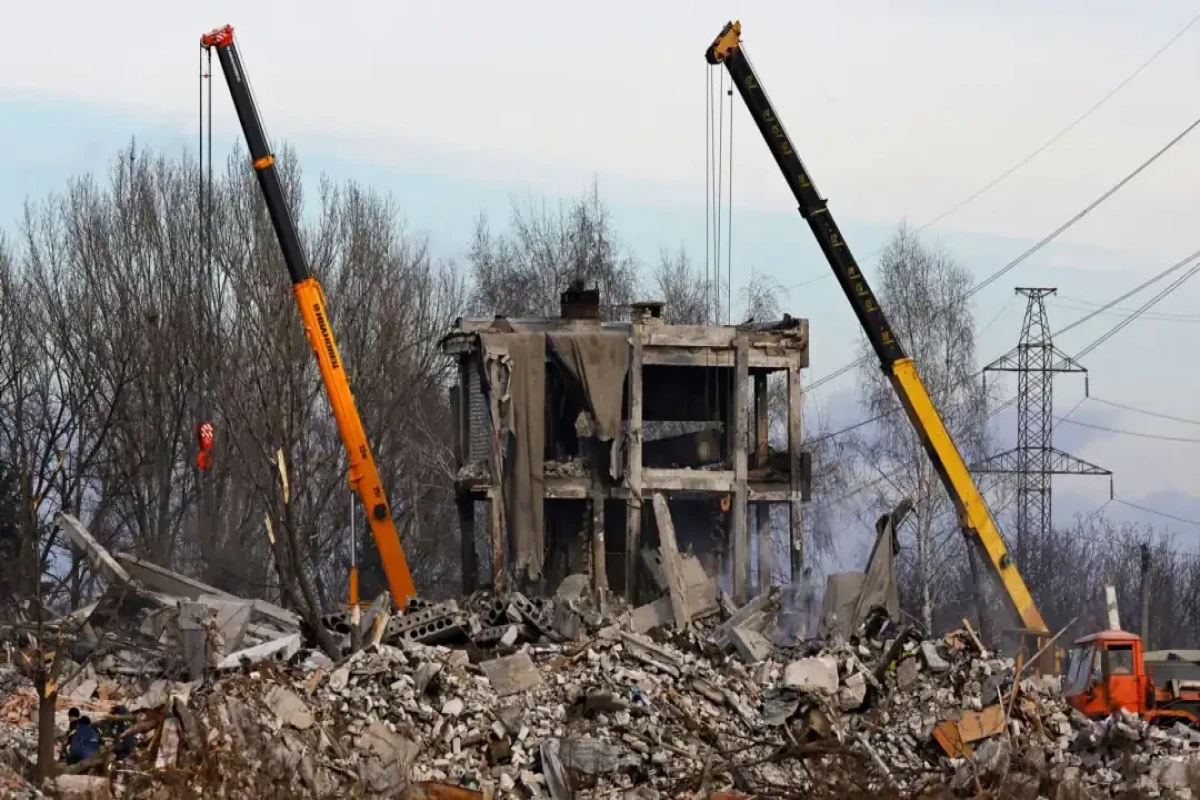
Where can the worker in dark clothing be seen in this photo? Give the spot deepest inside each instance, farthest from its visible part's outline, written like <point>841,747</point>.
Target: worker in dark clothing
<point>84,741</point>
<point>72,722</point>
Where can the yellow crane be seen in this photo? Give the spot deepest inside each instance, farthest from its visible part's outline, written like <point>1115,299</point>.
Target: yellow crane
<point>973,514</point>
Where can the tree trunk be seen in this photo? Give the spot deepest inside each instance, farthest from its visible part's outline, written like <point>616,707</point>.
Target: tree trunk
<point>46,756</point>
<point>925,572</point>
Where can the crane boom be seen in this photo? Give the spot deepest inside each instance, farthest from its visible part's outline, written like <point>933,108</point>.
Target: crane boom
<point>974,516</point>
<point>310,297</point>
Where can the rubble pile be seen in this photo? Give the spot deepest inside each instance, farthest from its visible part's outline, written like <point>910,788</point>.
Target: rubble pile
<point>196,693</point>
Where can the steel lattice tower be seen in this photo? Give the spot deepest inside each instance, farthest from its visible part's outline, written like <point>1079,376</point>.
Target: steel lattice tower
<point>1035,460</point>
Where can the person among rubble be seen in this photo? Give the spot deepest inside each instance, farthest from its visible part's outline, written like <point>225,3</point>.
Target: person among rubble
<point>84,741</point>
<point>72,723</point>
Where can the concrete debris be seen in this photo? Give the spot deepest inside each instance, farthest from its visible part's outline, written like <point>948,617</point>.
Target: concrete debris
<point>502,695</point>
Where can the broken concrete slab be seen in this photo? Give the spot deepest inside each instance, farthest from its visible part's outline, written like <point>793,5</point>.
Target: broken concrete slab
<point>853,692</point>
<point>932,658</point>
<point>751,646</point>
<point>511,674</point>
<point>755,609</point>
<point>672,571</point>
<point>290,709</point>
<point>102,561</point>
<point>387,769</point>
<point>652,615</point>
<point>233,618</point>
<point>173,583</point>
<point>278,650</point>
<point>192,637</point>
<point>818,674</point>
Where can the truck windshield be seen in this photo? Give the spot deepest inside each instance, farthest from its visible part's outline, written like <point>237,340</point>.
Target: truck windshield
<point>1120,659</point>
<point>1078,669</point>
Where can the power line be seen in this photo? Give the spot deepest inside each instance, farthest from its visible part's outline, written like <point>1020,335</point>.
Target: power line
<point>1178,265</point>
<point>1044,241</point>
<point>1087,306</point>
<point>1137,434</point>
<point>1159,513</point>
<point>1147,305</point>
<point>1147,412</point>
<point>1045,146</point>
<point>1096,343</point>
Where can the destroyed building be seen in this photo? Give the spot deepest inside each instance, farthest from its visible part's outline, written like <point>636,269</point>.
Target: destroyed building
<point>569,430</point>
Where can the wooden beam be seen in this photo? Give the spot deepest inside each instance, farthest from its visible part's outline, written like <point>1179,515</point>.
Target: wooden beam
<point>672,569</point>
<point>740,413</point>
<point>795,441</point>
<point>762,512</point>
<point>633,466</point>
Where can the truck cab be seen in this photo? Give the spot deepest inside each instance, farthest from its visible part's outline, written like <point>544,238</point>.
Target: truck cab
<point>1106,672</point>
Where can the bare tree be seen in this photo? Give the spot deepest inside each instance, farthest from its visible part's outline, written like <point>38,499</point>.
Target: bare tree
<point>685,290</point>
<point>521,272</point>
<point>926,294</point>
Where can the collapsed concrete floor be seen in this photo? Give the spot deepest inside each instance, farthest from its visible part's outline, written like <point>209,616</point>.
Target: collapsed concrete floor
<point>509,696</point>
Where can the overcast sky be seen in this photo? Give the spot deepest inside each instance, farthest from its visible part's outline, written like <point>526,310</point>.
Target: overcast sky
<point>900,111</point>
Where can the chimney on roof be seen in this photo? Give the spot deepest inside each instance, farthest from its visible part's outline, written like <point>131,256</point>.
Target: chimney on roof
<point>579,303</point>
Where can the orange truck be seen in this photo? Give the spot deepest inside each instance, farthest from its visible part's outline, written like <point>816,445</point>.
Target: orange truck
<point>1108,671</point>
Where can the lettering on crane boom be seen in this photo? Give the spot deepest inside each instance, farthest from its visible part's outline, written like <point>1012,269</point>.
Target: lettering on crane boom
<point>325,337</point>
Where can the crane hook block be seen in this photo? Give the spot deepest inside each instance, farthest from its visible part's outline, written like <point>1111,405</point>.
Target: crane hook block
<point>218,37</point>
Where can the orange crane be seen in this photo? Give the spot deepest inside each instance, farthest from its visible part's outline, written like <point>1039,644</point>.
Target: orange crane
<point>310,297</point>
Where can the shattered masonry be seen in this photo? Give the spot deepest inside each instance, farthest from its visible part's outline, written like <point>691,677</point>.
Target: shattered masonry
<point>508,696</point>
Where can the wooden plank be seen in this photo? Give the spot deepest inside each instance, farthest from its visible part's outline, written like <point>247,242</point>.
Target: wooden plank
<point>672,570</point>
<point>741,410</point>
<point>633,465</point>
<point>795,441</point>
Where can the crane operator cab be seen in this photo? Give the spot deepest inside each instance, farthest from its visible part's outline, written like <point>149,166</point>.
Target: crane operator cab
<point>1105,673</point>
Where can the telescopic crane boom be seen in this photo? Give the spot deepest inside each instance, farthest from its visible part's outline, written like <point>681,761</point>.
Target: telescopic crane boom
<point>364,477</point>
<point>974,516</point>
